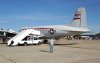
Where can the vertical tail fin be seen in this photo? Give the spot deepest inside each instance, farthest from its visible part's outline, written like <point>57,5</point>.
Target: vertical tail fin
<point>80,19</point>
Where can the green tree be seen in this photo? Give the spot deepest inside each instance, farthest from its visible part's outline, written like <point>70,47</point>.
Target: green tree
<point>98,34</point>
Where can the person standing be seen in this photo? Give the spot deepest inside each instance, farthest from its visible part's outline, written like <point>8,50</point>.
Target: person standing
<point>51,44</point>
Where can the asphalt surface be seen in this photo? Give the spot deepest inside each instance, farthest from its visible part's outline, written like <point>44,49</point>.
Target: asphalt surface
<point>65,51</point>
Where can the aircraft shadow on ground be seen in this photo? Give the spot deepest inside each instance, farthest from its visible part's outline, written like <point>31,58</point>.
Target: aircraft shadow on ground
<point>64,44</point>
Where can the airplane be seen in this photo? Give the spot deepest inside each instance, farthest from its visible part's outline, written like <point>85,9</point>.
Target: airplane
<point>77,26</point>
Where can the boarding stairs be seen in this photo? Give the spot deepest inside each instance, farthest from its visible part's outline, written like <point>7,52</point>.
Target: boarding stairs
<point>23,34</point>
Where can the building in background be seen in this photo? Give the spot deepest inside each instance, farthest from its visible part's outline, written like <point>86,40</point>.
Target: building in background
<point>6,35</point>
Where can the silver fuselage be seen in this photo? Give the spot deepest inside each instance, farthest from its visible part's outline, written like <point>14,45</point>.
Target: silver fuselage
<point>58,30</point>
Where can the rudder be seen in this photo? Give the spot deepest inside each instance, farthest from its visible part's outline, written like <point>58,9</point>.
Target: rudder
<point>80,19</point>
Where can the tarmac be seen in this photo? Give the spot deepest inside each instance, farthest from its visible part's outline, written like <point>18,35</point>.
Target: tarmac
<point>65,51</point>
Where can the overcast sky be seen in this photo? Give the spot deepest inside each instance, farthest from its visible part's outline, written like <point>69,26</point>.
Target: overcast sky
<point>16,14</point>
